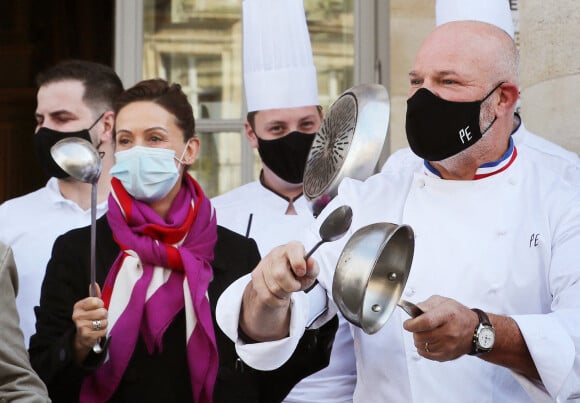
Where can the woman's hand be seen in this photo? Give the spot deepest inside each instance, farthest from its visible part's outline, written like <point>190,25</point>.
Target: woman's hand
<point>90,318</point>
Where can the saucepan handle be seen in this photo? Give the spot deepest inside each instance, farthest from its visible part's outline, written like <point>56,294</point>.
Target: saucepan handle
<point>409,307</point>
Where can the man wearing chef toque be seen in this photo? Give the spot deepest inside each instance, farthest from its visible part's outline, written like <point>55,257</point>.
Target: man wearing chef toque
<point>553,157</point>
<point>496,263</point>
<point>283,116</point>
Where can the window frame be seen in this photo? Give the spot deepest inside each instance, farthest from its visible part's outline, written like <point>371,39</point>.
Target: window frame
<point>371,64</point>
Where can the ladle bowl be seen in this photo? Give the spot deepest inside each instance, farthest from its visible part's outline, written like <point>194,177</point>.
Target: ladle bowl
<point>371,274</point>
<point>78,158</point>
<point>333,227</point>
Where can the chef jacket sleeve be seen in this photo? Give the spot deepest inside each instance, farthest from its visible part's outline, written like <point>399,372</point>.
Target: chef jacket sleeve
<point>553,350</point>
<point>553,339</point>
<point>264,356</point>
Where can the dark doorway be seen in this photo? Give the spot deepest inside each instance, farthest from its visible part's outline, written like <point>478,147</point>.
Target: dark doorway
<point>33,36</point>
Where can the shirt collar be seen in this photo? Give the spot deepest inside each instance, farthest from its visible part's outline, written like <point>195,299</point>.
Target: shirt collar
<point>487,169</point>
<point>56,197</point>
<point>276,193</point>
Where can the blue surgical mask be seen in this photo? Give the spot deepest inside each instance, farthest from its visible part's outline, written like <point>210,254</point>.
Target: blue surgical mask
<point>147,173</point>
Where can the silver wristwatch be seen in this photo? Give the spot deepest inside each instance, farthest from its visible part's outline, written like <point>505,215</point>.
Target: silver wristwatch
<point>484,334</point>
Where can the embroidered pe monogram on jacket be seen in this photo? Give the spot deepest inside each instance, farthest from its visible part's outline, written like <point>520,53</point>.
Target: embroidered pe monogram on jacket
<point>535,240</point>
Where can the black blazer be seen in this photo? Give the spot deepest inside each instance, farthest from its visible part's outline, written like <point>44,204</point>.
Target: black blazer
<point>161,376</point>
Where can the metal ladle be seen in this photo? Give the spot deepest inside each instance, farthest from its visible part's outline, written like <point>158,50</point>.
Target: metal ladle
<point>334,226</point>
<point>81,160</point>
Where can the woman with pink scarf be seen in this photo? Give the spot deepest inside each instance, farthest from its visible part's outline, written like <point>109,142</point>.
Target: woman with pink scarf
<point>162,262</point>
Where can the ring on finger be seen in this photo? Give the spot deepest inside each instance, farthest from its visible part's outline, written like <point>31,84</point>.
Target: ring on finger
<point>97,325</point>
<point>426,346</point>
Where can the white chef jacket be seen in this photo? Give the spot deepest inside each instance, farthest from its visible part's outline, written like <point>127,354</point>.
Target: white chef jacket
<point>270,226</point>
<point>507,244</point>
<point>554,157</point>
<point>30,224</point>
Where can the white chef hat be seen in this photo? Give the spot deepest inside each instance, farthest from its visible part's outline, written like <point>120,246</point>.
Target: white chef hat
<point>279,70</point>
<point>496,12</point>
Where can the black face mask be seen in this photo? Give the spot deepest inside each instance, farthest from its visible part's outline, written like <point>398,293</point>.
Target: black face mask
<point>286,156</point>
<point>438,129</point>
<point>45,138</point>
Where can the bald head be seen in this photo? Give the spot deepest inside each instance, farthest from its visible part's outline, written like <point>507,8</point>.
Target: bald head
<point>475,48</point>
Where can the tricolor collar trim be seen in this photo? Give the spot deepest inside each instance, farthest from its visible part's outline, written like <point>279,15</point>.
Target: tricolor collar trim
<point>487,169</point>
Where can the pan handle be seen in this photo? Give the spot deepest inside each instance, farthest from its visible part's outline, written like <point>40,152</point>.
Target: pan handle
<point>409,307</point>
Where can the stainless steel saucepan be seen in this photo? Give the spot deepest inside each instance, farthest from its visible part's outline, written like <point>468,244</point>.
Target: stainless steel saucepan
<point>371,274</point>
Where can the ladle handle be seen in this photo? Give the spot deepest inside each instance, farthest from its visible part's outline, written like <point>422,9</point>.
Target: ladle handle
<point>409,307</point>
<point>93,286</point>
<point>314,249</point>
<point>306,257</point>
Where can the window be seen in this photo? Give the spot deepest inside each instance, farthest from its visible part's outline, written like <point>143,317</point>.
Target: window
<point>198,44</point>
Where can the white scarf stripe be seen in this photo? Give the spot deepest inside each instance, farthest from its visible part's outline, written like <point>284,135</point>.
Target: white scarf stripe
<point>124,283</point>
<point>129,273</point>
<point>190,318</point>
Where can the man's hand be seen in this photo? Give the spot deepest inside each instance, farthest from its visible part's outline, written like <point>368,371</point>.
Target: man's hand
<point>266,303</point>
<point>282,272</point>
<point>445,331</point>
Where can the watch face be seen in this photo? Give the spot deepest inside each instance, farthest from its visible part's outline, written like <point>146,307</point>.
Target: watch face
<point>486,337</point>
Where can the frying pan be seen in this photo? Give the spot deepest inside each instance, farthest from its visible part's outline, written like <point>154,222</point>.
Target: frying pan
<point>371,274</point>
<point>348,143</point>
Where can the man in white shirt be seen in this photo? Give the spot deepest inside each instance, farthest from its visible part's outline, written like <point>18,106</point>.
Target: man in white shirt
<point>74,99</point>
<point>284,114</point>
<point>494,230</point>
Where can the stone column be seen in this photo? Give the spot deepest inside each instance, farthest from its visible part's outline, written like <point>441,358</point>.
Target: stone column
<point>411,21</point>
<point>550,69</point>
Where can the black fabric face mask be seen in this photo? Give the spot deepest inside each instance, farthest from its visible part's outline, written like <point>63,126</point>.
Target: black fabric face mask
<point>438,129</point>
<point>286,156</point>
<point>45,138</point>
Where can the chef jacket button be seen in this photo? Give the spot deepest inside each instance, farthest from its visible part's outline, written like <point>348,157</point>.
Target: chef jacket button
<point>416,356</point>
<point>421,183</point>
<point>410,292</point>
<point>501,232</point>
<point>512,181</point>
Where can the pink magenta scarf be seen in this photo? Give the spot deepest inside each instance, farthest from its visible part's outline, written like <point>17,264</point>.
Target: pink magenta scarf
<point>163,267</point>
